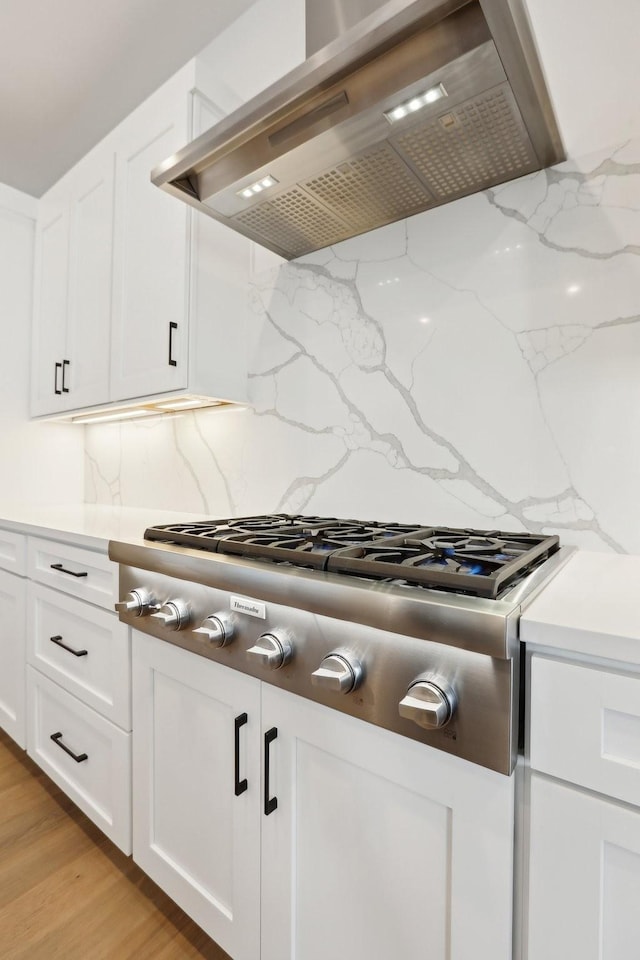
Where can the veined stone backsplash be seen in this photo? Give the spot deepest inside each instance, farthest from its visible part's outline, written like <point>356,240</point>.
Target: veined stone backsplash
<point>475,365</point>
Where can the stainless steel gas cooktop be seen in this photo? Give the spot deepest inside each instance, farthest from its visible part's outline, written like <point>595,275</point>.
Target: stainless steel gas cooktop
<point>410,627</point>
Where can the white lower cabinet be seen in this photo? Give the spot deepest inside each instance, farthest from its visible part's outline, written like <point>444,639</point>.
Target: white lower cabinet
<point>87,756</point>
<point>348,841</point>
<point>191,833</point>
<point>78,681</point>
<point>380,847</point>
<point>83,648</point>
<point>12,656</point>
<point>584,877</point>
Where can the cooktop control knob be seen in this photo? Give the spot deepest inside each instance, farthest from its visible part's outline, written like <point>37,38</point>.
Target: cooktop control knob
<point>139,602</point>
<point>218,629</point>
<point>174,614</point>
<point>339,673</point>
<point>429,703</point>
<point>272,649</point>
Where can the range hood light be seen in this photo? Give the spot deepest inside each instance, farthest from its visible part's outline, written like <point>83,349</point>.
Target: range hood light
<point>148,408</point>
<point>187,403</point>
<point>416,103</point>
<point>398,113</point>
<point>257,187</point>
<point>116,415</point>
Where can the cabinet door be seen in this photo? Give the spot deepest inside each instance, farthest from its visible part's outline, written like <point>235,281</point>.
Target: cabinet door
<point>86,367</point>
<point>50,303</point>
<point>379,847</point>
<point>12,656</point>
<point>150,335</point>
<point>584,880</point>
<point>195,832</point>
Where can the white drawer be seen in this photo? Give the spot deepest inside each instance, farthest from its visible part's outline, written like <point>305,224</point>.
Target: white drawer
<point>99,781</point>
<point>585,727</point>
<point>84,649</point>
<point>13,552</point>
<point>85,574</point>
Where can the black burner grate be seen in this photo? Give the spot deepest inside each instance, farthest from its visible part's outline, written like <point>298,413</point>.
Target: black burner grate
<point>478,562</point>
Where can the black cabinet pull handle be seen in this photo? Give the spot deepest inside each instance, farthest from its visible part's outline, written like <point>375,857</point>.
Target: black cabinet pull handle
<point>270,803</point>
<point>65,364</point>
<point>78,757</point>
<point>72,573</point>
<point>172,326</point>
<point>240,785</point>
<point>55,379</point>
<point>58,641</point>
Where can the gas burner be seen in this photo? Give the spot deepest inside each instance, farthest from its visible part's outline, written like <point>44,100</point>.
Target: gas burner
<point>302,540</point>
<point>478,562</point>
<point>481,563</point>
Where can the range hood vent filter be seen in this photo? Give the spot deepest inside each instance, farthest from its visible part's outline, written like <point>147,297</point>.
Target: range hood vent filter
<point>474,146</point>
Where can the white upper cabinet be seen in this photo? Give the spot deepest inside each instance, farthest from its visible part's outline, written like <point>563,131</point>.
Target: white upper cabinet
<point>136,295</point>
<point>50,302</point>
<point>73,289</point>
<point>151,256</point>
<point>86,360</point>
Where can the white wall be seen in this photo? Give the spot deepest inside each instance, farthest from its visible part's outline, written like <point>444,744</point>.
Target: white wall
<point>589,51</point>
<point>41,463</point>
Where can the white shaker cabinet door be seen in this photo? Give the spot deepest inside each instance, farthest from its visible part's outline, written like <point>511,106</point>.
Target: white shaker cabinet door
<point>86,359</point>
<point>50,303</point>
<point>149,345</point>
<point>72,309</point>
<point>584,876</point>
<point>376,847</point>
<point>196,813</point>
<point>12,656</point>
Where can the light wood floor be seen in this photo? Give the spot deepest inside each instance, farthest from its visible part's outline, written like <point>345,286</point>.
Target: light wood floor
<point>66,893</point>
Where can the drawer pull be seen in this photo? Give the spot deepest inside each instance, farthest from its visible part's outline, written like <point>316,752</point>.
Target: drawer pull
<point>77,653</point>
<point>172,326</point>
<point>240,785</point>
<point>72,573</point>
<point>78,757</point>
<point>270,803</point>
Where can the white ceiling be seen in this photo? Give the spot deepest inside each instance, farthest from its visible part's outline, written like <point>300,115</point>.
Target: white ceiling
<point>70,70</point>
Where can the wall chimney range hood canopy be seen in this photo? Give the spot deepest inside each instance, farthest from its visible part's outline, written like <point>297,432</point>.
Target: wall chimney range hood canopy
<point>417,104</point>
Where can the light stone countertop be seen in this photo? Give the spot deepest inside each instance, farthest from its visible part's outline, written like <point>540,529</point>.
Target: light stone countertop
<point>591,607</point>
<point>87,525</point>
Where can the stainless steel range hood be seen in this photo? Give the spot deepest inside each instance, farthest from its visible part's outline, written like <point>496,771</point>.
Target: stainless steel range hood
<point>318,157</point>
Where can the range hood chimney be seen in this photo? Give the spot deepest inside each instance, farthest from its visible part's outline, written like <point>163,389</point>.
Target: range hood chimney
<point>400,106</point>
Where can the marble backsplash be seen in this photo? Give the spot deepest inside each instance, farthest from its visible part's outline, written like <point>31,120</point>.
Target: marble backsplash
<point>475,365</point>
